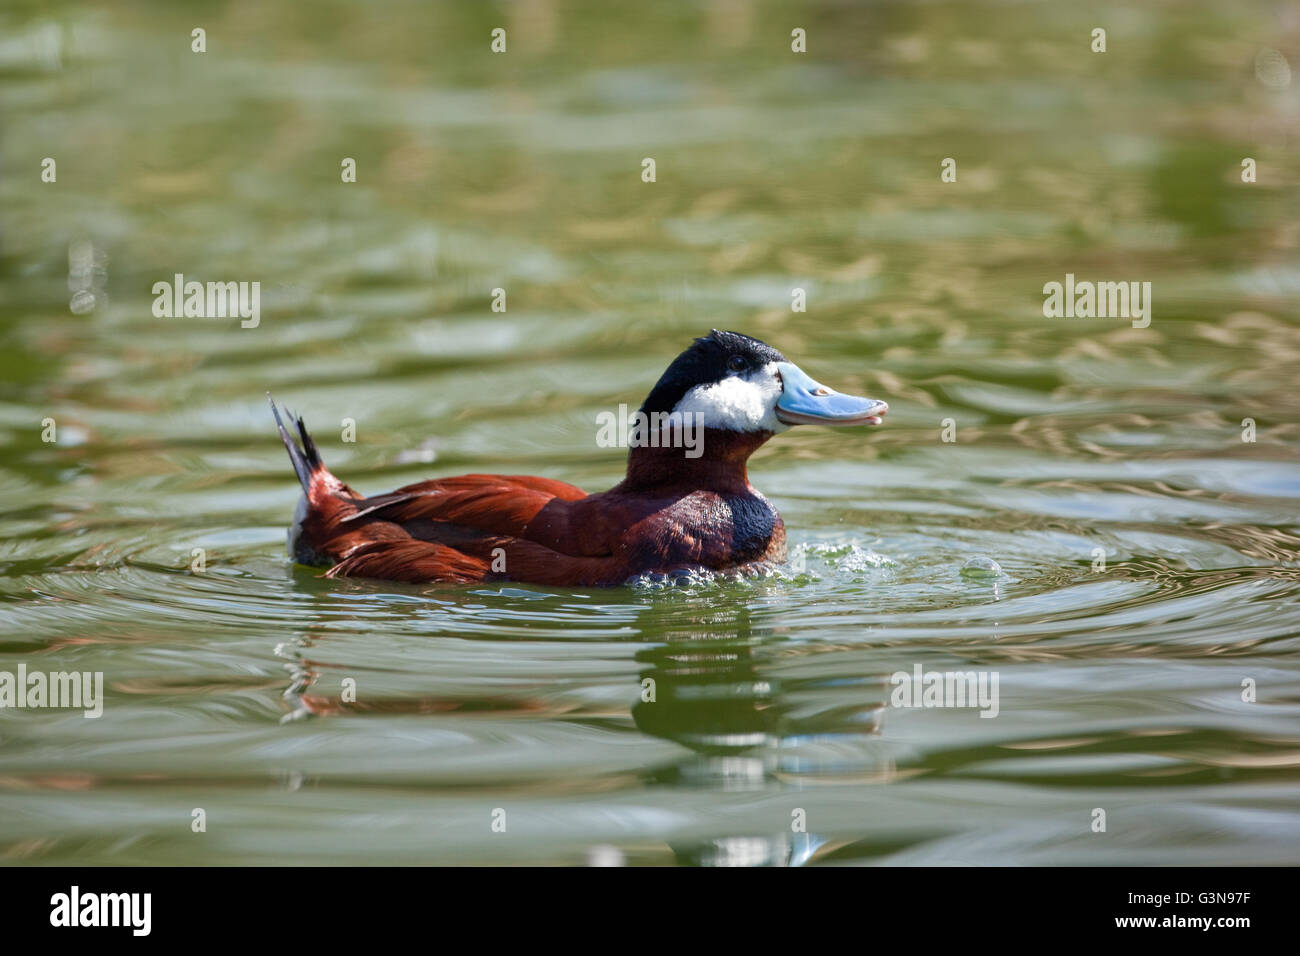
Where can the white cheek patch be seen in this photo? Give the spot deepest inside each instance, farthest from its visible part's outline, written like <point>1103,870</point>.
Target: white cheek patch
<point>737,403</point>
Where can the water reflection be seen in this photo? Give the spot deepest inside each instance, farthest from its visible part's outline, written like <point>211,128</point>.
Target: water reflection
<point>711,689</point>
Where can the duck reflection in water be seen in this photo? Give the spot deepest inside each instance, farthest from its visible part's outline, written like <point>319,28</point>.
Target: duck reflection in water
<point>750,733</point>
<point>762,739</point>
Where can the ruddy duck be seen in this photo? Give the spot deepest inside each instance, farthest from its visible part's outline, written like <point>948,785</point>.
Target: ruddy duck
<point>676,510</point>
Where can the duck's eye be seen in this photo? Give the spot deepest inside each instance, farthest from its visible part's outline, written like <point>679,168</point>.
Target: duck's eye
<point>736,363</point>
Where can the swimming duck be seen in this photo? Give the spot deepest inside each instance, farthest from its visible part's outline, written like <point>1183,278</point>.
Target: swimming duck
<point>678,509</point>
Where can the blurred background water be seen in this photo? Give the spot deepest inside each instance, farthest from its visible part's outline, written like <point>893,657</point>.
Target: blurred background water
<point>1121,686</point>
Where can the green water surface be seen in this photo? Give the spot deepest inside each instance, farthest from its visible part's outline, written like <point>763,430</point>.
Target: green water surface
<point>1148,552</point>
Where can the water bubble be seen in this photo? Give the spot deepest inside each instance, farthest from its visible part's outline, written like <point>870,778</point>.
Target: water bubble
<point>82,302</point>
<point>81,258</point>
<point>605,855</point>
<point>1272,69</point>
<point>46,42</point>
<point>981,567</point>
<point>676,578</point>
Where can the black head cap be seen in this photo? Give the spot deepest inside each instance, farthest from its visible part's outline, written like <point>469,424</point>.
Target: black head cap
<point>709,359</point>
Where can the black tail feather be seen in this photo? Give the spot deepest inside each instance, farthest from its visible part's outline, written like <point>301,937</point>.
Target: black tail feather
<point>306,460</point>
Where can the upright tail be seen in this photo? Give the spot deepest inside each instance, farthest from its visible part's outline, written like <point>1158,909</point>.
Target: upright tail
<point>306,460</point>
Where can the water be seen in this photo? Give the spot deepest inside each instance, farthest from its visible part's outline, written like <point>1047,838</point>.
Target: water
<point>1120,670</point>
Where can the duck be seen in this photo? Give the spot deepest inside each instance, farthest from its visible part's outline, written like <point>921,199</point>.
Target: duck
<point>684,506</point>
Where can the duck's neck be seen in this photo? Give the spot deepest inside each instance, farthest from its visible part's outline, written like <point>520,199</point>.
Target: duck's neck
<point>718,465</point>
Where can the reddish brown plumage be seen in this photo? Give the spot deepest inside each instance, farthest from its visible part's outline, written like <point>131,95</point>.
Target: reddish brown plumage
<point>686,508</point>
<point>670,513</point>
